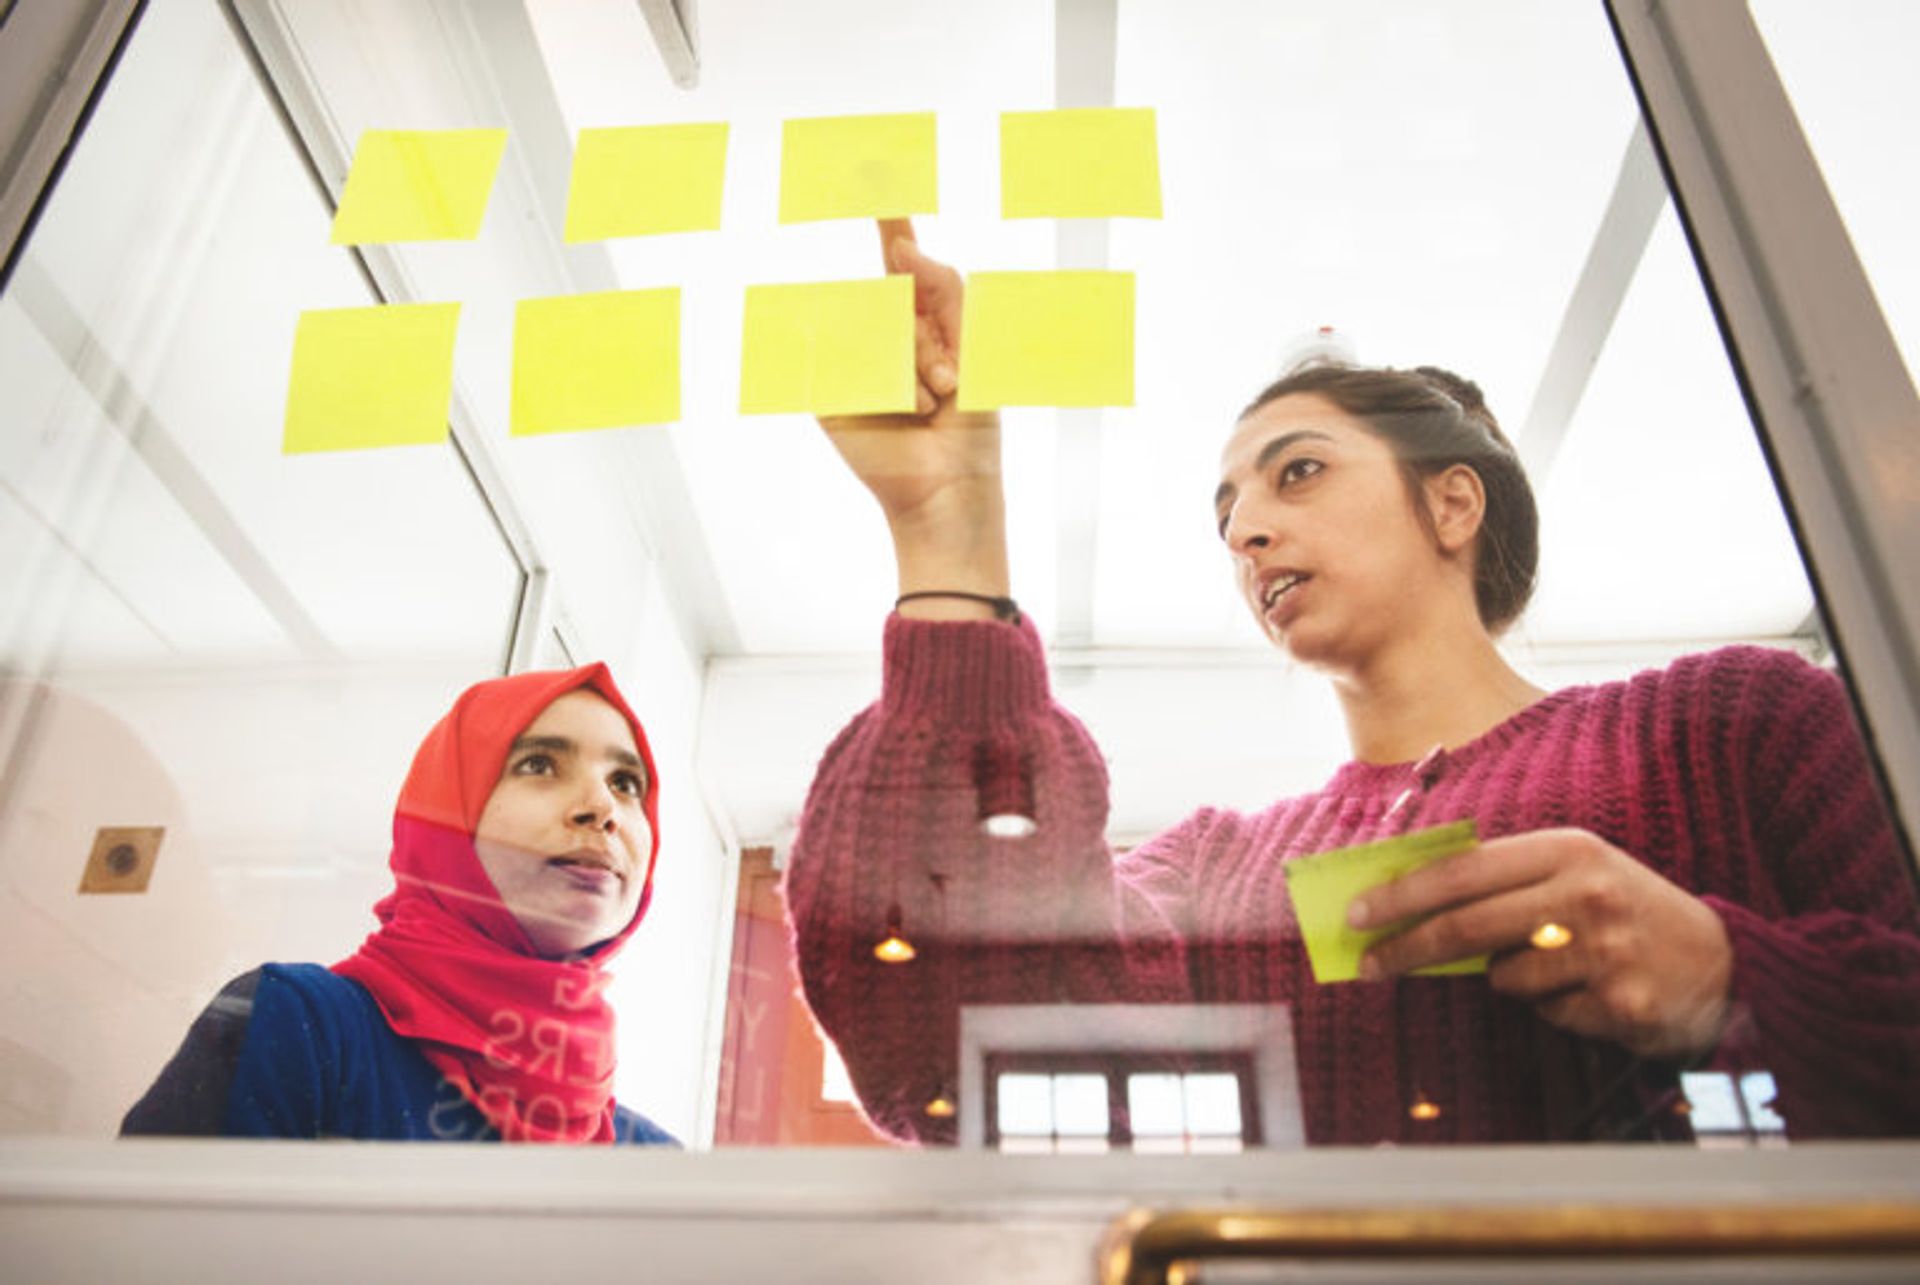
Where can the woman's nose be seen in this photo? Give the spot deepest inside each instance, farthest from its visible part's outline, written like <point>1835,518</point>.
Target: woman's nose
<point>1246,532</point>
<point>594,809</point>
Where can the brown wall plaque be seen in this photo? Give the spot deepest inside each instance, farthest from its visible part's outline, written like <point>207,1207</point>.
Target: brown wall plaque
<point>122,858</point>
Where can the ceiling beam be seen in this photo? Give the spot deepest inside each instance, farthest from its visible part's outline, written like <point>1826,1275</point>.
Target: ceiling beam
<point>1085,54</point>
<point>672,25</point>
<point>1639,194</point>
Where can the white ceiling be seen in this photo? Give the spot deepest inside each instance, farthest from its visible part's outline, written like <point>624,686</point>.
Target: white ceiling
<point>1428,180</point>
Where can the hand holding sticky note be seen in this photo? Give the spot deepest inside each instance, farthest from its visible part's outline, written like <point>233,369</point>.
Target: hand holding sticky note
<point>1322,885</point>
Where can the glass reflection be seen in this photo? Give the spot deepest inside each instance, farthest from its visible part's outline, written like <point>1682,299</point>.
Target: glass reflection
<point>1077,807</point>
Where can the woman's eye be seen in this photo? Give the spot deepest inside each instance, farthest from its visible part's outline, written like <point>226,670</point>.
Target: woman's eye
<point>1299,470</point>
<point>534,765</point>
<point>628,783</point>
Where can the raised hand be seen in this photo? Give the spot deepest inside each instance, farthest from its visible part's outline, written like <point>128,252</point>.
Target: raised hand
<point>936,473</point>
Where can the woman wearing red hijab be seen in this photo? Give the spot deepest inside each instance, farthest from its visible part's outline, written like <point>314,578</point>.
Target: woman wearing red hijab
<point>523,848</point>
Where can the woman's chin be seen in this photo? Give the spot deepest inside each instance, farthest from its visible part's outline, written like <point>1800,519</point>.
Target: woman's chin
<point>1307,649</point>
<point>570,939</point>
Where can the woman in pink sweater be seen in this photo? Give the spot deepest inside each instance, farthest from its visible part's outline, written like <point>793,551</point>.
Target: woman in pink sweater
<point>1719,880</point>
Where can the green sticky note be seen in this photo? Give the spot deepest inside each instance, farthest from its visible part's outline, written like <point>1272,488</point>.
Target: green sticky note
<point>604,360</point>
<point>1047,339</point>
<point>379,376</point>
<point>1322,885</point>
<point>418,185</point>
<point>1079,163</point>
<point>828,348</point>
<point>646,179</point>
<point>858,167</point>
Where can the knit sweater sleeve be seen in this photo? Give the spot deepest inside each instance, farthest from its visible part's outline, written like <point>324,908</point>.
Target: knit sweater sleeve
<point>891,830</point>
<point>1826,992</point>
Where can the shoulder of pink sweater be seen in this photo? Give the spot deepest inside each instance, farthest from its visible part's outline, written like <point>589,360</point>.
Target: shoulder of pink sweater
<point>1747,688</point>
<point>967,672</point>
<point>1747,664</point>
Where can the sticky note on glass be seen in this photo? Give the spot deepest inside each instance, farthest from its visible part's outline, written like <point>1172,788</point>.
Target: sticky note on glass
<point>1079,163</point>
<point>1047,339</point>
<point>858,167</point>
<point>828,348</point>
<point>1322,885</point>
<point>605,360</point>
<point>645,180</point>
<point>418,185</point>
<point>379,376</point>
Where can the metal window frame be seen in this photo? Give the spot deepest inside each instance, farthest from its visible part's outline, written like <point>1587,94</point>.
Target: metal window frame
<point>1831,400</point>
<point>70,56</point>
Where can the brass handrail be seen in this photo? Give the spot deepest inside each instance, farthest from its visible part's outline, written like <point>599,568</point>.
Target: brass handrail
<point>1148,1248</point>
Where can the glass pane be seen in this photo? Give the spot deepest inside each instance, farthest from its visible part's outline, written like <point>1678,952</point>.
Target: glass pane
<point>835,1084</point>
<point>1844,68</point>
<point>1026,1104</point>
<point>1758,1090</point>
<point>1080,1105</point>
<point>1204,690</point>
<point>1213,1103</point>
<point>1154,1106</point>
<point>1714,1102</point>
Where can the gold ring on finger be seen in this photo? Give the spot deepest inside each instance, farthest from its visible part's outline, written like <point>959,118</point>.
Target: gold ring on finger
<point>1551,936</point>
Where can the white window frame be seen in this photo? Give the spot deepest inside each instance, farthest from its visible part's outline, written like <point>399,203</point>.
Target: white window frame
<point>1264,1031</point>
<point>1830,398</point>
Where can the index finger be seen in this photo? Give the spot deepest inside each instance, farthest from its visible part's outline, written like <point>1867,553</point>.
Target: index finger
<point>1494,866</point>
<point>892,230</point>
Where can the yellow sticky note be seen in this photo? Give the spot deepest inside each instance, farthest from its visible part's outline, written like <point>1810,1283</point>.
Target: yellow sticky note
<point>379,376</point>
<point>1322,885</point>
<point>1079,163</point>
<point>1047,339</point>
<point>418,185</point>
<point>646,179</point>
<point>858,167</point>
<point>828,348</point>
<point>603,360</point>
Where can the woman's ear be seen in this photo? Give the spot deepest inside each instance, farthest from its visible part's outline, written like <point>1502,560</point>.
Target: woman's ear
<point>1457,500</point>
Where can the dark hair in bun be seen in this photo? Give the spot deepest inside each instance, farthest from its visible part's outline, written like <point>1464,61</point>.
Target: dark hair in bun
<point>1434,419</point>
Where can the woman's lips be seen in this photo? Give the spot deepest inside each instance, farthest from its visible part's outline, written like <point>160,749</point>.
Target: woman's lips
<point>590,878</point>
<point>1287,605</point>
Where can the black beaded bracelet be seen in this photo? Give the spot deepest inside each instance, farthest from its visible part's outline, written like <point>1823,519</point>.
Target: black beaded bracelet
<point>1003,608</point>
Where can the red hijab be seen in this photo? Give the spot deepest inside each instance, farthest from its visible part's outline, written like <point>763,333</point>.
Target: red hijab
<point>527,1040</point>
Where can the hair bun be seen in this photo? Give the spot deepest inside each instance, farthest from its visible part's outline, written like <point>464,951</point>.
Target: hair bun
<point>1464,391</point>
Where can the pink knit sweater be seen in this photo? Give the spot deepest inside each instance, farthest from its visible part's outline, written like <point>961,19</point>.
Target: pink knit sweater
<point>1737,774</point>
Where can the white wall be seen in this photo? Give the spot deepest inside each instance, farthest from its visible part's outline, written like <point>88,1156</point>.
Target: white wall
<point>669,990</point>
